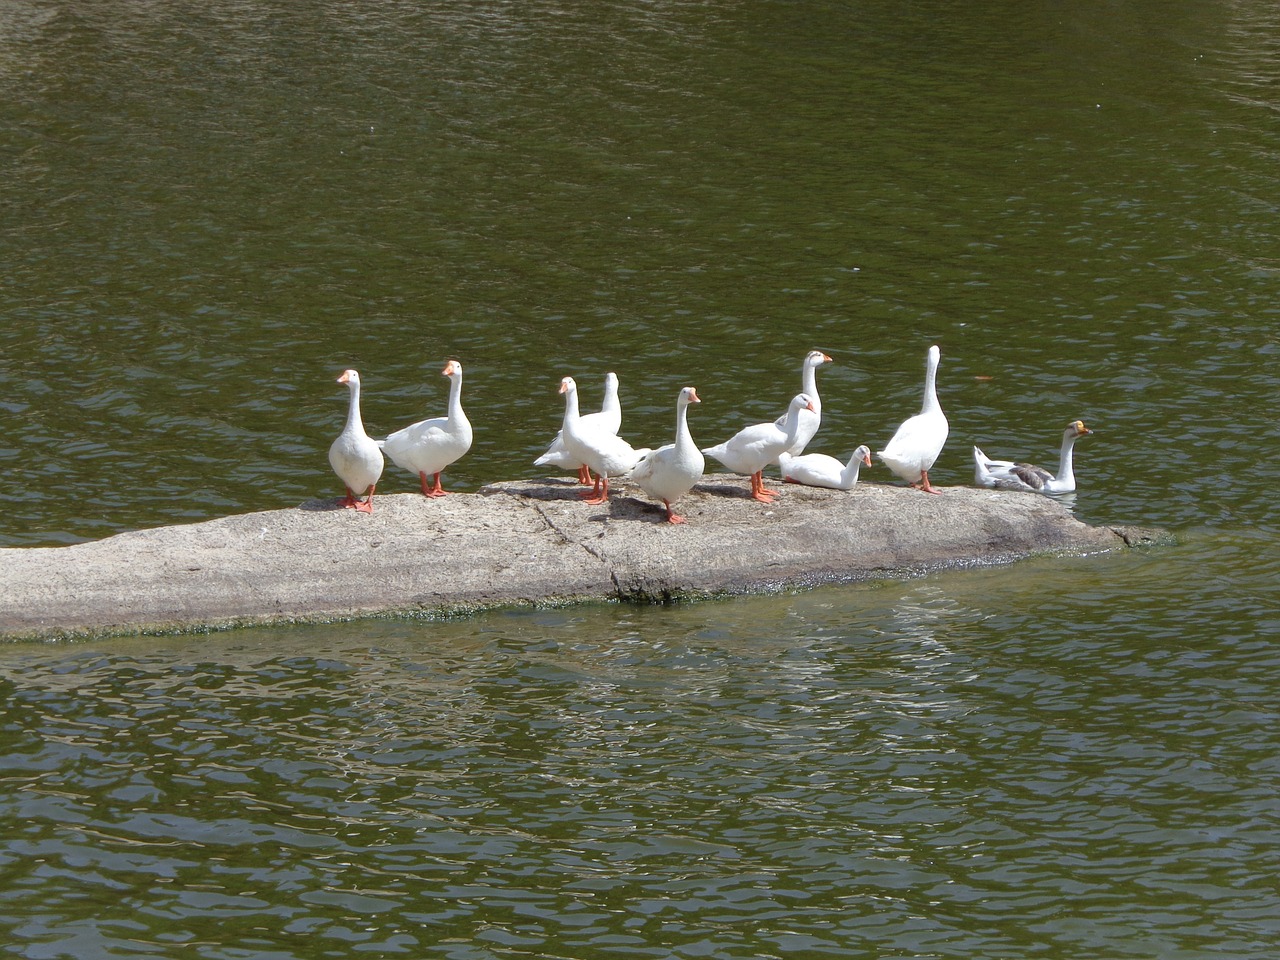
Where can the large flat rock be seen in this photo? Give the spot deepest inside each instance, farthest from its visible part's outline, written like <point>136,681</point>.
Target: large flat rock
<point>512,544</point>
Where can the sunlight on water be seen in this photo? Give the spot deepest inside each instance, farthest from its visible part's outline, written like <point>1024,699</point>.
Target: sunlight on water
<point>928,766</point>
<point>213,211</point>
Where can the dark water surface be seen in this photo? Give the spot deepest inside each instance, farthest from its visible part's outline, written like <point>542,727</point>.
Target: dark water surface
<point>207,211</point>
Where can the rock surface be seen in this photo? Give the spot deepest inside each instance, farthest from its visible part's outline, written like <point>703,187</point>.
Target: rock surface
<point>519,543</point>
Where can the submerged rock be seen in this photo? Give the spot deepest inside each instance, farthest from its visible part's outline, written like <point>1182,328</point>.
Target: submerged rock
<point>515,544</point>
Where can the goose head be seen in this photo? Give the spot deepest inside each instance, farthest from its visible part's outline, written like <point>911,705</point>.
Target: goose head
<point>1076,429</point>
<point>791,419</point>
<point>350,377</point>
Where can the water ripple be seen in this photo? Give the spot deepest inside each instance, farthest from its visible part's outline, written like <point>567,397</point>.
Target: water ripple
<point>649,794</point>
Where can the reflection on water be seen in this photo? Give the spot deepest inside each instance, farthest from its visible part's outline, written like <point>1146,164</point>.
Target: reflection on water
<point>925,768</point>
<point>212,210</point>
<point>215,211</point>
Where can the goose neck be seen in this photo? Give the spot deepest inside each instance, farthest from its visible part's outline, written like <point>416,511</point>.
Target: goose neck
<point>455,395</point>
<point>683,437</point>
<point>850,472</point>
<point>354,423</point>
<point>791,426</point>
<point>570,406</point>
<point>1066,471</point>
<point>809,382</point>
<point>931,404</point>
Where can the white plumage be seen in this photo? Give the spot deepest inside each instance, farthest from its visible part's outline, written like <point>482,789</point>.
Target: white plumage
<point>670,472</point>
<point>810,420</point>
<point>425,448</point>
<point>609,419</point>
<point>914,448</point>
<point>354,455</point>
<point>753,448</point>
<point>592,444</point>
<point>1007,475</point>
<point>820,470</point>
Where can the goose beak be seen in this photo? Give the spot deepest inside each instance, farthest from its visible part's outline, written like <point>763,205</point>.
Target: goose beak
<point>693,396</point>
<point>866,459</point>
<point>809,406</point>
<point>346,377</point>
<point>1081,429</point>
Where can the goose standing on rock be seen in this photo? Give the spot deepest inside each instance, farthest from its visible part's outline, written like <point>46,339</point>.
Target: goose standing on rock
<point>1007,475</point>
<point>592,444</point>
<point>753,448</point>
<point>425,448</point>
<point>670,472</point>
<point>820,470</point>
<point>810,420</point>
<point>354,455</point>
<point>916,445</point>
<point>609,418</point>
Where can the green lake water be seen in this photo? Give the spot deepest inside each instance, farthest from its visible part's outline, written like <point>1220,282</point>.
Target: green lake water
<point>208,211</point>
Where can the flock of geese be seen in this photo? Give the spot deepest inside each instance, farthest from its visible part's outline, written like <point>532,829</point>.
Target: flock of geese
<point>589,444</point>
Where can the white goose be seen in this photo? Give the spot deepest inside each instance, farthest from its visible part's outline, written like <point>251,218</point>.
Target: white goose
<point>1007,475</point>
<point>425,448</point>
<point>609,418</point>
<point>604,452</point>
<point>670,472</point>
<point>354,455</point>
<point>917,443</point>
<point>753,448</point>
<point>810,420</point>
<point>820,470</point>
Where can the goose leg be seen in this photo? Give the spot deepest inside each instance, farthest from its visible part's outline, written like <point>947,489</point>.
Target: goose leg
<point>352,503</point>
<point>584,474</point>
<point>594,495</point>
<point>759,491</point>
<point>672,516</point>
<point>925,485</point>
<point>602,496</point>
<point>437,490</point>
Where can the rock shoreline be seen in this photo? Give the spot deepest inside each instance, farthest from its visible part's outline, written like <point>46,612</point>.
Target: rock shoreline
<point>522,543</point>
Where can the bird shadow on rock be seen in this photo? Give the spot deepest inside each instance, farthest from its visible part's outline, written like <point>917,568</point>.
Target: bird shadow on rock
<point>322,506</point>
<point>725,489</point>
<point>550,488</point>
<point>632,508</point>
